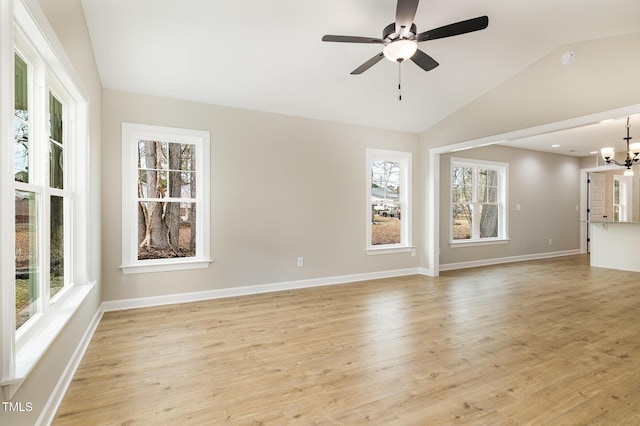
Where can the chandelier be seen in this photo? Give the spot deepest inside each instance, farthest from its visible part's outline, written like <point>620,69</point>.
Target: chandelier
<point>633,154</point>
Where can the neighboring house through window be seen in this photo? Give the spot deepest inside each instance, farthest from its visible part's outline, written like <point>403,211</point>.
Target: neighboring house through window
<point>388,201</point>
<point>478,201</point>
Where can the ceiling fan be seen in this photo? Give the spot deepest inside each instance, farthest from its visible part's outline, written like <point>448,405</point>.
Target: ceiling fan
<point>401,38</point>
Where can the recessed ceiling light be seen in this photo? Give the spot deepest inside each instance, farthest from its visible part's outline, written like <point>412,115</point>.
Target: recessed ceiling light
<point>594,152</point>
<point>555,146</point>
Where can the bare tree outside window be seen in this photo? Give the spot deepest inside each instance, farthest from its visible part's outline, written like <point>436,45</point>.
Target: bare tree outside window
<point>166,200</point>
<point>476,201</point>
<point>488,199</point>
<point>462,196</point>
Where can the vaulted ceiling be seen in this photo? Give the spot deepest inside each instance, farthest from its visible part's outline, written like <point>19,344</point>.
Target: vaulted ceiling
<point>268,55</point>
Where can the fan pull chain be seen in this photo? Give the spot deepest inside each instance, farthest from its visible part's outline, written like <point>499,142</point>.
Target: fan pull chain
<point>399,80</point>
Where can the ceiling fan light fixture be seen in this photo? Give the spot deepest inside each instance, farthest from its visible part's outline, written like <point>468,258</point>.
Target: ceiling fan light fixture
<point>400,50</point>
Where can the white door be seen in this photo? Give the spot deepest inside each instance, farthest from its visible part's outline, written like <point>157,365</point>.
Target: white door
<point>596,198</point>
<point>595,203</point>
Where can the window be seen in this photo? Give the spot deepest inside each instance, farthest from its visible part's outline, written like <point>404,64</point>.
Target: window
<point>43,137</point>
<point>388,201</point>
<point>622,198</point>
<point>165,198</point>
<point>616,198</point>
<point>478,201</point>
<point>43,190</point>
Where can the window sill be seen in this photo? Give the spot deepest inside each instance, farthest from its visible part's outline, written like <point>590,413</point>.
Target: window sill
<point>164,266</point>
<point>460,244</point>
<point>389,250</point>
<point>37,339</point>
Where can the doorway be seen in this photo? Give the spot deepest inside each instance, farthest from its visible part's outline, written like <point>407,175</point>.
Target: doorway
<point>595,202</point>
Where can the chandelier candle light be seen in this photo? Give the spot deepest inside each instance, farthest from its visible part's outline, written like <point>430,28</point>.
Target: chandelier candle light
<point>633,154</point>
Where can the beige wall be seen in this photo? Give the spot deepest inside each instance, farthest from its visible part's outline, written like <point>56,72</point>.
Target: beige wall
<point>547,188</point>
<point>67,20</point>
<point>602,78</point>
<point>284,187</point>
<point>281,187</point>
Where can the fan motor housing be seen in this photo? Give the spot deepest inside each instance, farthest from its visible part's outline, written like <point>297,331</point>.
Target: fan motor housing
<point>390,31</point>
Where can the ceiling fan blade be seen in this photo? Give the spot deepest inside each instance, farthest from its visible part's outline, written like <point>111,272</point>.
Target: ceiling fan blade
<point>371,62</point>
<point>457,28</point>
<point>352,39</point>
<point>405,14</point>
<point>424,61</point>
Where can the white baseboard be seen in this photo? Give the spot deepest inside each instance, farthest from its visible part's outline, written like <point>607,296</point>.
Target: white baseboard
<point>55,399</point>
<point>143,302</point>
<point>496,261</point>
<point>427,272</point>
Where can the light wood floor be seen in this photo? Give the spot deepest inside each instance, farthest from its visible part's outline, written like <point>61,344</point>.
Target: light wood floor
<point>542,342</point>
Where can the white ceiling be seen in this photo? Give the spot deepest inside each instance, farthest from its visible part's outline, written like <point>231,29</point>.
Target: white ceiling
<point>268,55</point>
<point>584,141</point>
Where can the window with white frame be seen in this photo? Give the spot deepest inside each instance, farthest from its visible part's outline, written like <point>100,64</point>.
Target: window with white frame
<point>43,139</point>
<point>478,200</point>
<point>165,198</point>
<point>43,189</point>
<point>617,198</point>
<point>388,201</point>
<point>622,198</point>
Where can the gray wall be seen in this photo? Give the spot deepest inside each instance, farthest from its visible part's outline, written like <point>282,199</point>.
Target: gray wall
<point>281,187</point>
<point>547,187</point>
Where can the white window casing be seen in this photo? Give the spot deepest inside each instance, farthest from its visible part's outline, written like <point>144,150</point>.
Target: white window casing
<point>473,202</point>
<point>24,31</point>
<point>394,204</point>
<point>132,135</point>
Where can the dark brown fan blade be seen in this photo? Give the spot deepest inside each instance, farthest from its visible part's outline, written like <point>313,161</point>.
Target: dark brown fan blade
<point>371,62</point>
<point>405,14</point>
<point>351,39</point>
<point>424,61</point>
<point>457,28</point>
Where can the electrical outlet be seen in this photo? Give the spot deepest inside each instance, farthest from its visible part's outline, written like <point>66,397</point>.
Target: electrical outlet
<point>550,241</point>
<point>300,261</point>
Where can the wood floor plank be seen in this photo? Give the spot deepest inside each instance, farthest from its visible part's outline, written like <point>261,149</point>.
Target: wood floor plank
<point>552,341</point>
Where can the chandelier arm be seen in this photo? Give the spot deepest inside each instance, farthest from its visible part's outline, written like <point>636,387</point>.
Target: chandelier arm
<point>611,160</point>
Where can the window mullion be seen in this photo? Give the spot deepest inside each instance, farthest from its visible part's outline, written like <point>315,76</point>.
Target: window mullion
<point>475,209</point>
<point>45,245</point>
<point>42,150</point>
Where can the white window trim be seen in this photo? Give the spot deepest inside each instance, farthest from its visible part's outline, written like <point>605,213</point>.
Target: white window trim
<point>626,197</point>
<point>405,160</point>
<point>503,231</point>
<point>23,349</point>
<point>131,134</point>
